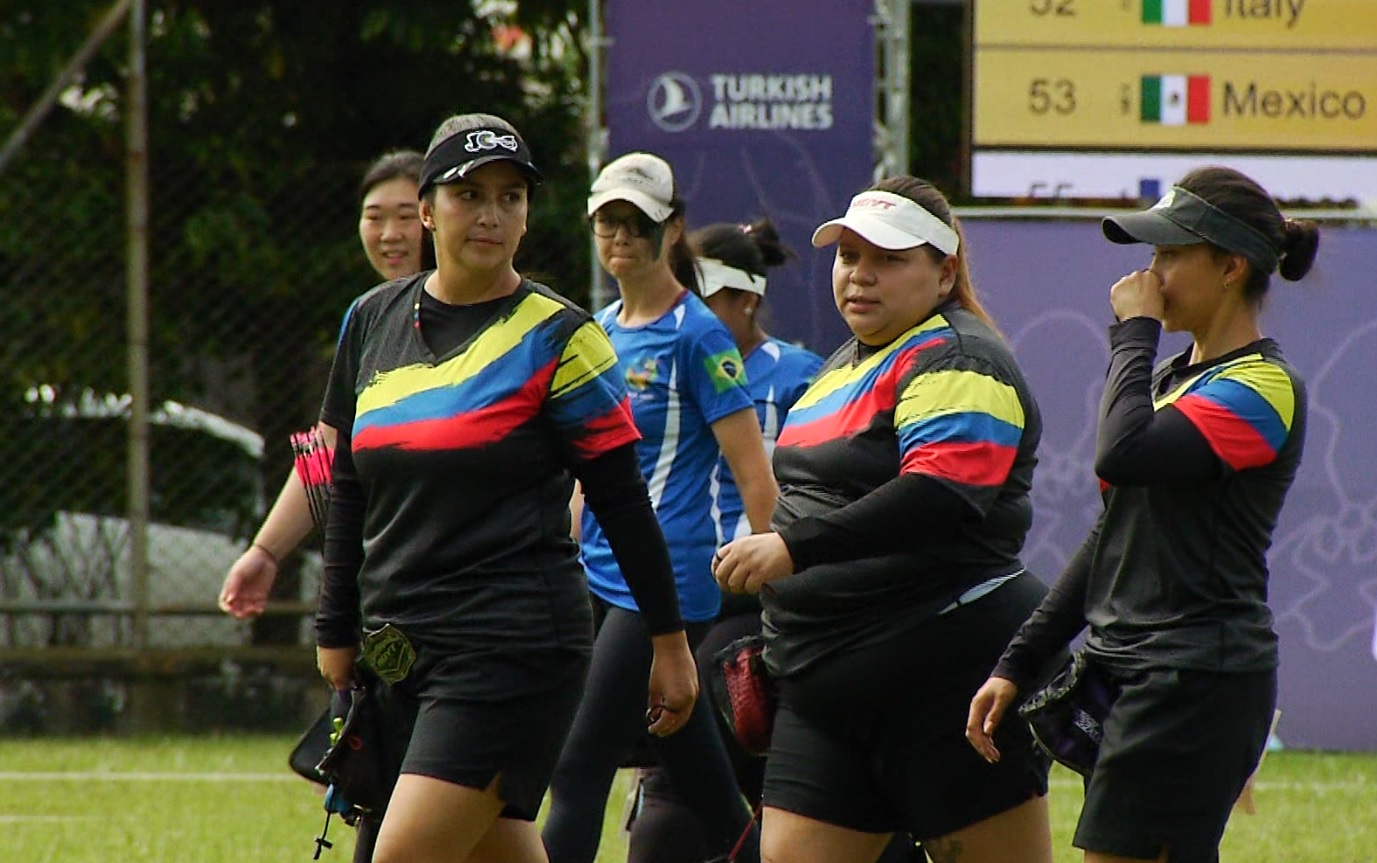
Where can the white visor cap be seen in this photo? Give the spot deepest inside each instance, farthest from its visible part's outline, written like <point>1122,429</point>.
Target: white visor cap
<point>890,221</point>
<point>715,275</point>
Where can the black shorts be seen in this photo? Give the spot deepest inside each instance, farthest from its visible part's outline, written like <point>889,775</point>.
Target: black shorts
<point>1178,747</point>
<point>874,739</point>
<point>476,716</point>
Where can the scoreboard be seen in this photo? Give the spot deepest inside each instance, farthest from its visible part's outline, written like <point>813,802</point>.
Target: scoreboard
<point>1213,78</point>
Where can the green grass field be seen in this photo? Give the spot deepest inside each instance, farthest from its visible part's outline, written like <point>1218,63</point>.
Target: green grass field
<point>231,799</point>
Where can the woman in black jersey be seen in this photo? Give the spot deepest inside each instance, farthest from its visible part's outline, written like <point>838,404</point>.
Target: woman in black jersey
<point>467,400</point>
<point>1195,458</point>
<point>892,578</point>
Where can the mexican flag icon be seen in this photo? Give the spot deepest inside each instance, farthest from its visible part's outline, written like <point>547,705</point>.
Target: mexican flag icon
<point>1176,13</point>
<point>1175,100</point>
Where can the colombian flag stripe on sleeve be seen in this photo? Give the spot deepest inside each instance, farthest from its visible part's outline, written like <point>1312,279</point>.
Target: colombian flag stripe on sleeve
<point>959,425</point>
<point>607,432</point>
<point>1244,427</point>
<point>956,391</point>
<point>587,396</point>
<point>978,463</point>
<point>587,356</point>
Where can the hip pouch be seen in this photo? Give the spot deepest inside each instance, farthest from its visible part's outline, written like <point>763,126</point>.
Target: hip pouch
<point>1066,717</point>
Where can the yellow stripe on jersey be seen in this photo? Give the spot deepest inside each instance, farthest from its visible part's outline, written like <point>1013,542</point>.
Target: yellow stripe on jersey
<point>492,344</point>
<point>588,354</point>
<point>952,391</point>
<point>845,375</point>
<point>1269,381</point>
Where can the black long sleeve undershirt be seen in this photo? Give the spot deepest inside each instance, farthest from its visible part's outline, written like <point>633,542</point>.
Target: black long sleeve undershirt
<point>614,490</point>
<point>338,615</point>
<point>905,514</point>
<point>1135,444</point>
<point>1058,619</point>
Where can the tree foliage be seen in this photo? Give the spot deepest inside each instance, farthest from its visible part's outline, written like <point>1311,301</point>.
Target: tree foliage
<point>262,115</point>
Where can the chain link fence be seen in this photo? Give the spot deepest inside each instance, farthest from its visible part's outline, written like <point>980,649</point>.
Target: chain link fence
<point>250,269</point>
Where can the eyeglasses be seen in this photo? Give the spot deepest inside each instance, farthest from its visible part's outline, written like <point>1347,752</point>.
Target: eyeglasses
<point>637,224</point>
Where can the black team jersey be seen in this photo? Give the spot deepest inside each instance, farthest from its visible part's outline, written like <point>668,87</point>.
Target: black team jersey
<point>904,474</point>
<point>1194,463</point>
<point>459,466</point>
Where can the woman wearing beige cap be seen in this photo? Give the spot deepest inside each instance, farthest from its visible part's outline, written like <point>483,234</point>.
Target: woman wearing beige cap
<point>893,575</point>
<point>688,393</point>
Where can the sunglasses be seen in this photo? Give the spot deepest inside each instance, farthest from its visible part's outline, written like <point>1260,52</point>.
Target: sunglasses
<point>637,224</point>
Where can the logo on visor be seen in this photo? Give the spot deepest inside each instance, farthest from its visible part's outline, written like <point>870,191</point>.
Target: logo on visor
<point>486,139</point>
<point>1166,201</point>
<point>874,202</point>
<point>674,101</point>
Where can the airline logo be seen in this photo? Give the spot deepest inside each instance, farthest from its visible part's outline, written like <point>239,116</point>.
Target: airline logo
<point>1176,13</point>
<point>1175,100</point>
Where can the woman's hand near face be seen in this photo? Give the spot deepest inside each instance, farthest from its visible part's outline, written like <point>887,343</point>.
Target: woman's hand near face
<point>1138,295</point>
<point>748,564</point>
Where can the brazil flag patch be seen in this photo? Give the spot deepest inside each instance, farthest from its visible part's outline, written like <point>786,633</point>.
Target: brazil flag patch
<point>726,370</point>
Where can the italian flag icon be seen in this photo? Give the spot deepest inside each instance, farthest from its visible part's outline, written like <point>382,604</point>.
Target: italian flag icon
<point>1175,100</point>
<point>1176,13</point>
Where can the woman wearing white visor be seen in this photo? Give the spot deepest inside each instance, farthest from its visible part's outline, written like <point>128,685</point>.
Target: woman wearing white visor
<point>893,573</point>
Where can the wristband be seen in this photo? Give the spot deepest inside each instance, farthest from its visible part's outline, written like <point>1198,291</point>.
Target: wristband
<point>263,548</point>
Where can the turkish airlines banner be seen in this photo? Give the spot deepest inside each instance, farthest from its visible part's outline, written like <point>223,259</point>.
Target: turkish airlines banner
<point>762,110</point>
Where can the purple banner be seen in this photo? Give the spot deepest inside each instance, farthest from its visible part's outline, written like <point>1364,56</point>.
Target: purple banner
<point>1047,284</point>
<point>762,110</point>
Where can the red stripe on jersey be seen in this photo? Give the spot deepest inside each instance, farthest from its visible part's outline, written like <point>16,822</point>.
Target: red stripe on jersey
<point>1235,440</point>
<point>607,432</point>
<point>978,463</point>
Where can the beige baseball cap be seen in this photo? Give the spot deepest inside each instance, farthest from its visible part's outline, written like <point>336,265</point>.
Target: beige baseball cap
<point>643,179</point>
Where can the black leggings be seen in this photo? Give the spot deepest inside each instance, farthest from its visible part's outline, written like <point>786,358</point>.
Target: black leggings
<point>609,721</point>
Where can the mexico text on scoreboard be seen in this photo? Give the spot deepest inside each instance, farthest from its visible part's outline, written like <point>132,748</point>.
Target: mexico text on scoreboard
<point>1218,78</point>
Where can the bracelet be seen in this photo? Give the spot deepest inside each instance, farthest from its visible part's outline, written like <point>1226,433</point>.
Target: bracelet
<point>263,548</point>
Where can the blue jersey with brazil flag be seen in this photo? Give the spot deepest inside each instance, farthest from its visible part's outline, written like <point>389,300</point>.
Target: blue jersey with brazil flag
<point>684,374</point>
<point>777,373</point>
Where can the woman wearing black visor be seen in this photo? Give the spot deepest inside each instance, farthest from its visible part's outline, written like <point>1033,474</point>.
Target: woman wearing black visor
<point>1195,458</point>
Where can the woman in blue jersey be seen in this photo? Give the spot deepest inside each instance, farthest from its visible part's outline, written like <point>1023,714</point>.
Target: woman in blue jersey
<point>892,578</point>
<point>1195,458</point>
<point>689,395</point>
<point>466,400</point>
<point>732,262</point>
